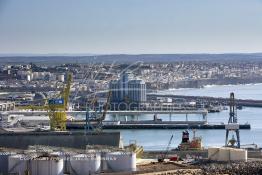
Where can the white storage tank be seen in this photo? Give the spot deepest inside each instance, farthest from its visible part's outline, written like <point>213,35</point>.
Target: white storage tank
<point>121,161</point>
<point>47,166</point>
<point>4,162</point>
<point>89,163</point>
<point>17,164</point>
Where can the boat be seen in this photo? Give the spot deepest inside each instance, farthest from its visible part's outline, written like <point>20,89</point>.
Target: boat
<point>187,144</point>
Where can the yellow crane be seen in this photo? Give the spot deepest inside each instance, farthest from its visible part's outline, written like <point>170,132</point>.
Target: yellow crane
<point>56,107</point>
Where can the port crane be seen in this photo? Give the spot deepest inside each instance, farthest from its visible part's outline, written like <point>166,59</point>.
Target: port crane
<point>56,107</point>
<point>98,116</point>
<point>232,124</point>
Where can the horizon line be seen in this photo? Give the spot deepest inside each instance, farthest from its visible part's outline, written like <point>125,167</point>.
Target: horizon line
<point>134,54</point>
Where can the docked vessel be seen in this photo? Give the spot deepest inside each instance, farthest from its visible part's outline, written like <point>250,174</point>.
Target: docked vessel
<point>187,144</point>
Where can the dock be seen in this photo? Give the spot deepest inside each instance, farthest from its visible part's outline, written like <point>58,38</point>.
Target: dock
<point>125,112</point>
<point>171,126</point>
<point>157,125</point>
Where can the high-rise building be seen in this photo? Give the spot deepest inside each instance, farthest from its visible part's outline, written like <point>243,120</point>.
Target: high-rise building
<point>127,88</point>
<point>137,90</point>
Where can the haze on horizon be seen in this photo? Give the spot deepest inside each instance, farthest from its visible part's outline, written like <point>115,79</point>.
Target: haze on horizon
<point>130,26</point>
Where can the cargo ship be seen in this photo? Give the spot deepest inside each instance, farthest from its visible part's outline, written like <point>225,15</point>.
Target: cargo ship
<point>187,144</point>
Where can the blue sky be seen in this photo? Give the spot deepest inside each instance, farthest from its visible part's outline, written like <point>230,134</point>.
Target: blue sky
<point>130,26</point>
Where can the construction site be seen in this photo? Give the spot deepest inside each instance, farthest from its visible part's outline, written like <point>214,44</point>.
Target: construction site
<point>46,146</point>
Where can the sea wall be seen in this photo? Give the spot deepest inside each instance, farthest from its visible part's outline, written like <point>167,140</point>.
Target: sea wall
<point>59,139</point>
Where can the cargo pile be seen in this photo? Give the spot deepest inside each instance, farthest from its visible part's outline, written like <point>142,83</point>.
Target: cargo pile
<point>237,168</point>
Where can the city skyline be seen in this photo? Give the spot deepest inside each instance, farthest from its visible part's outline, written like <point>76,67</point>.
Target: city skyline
<point>130,27</point>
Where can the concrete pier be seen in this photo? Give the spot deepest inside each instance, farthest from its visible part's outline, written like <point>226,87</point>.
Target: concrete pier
<point>170,126</point>
<point>157,125</point>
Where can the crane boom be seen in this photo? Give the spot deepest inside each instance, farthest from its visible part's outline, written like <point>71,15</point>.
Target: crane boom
<point>163,157</point>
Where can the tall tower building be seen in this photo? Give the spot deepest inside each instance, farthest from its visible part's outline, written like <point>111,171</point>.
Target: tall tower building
<point>137,90</point>
<point>127,87</point>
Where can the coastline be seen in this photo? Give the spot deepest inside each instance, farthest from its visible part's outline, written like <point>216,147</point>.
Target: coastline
<point>242,91</point>
<point>213,85</point>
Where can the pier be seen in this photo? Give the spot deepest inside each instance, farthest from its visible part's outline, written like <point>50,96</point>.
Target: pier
<point>156,125</point>
<point>80,125</point>
<point>124,112</point>
<point>136,113</point>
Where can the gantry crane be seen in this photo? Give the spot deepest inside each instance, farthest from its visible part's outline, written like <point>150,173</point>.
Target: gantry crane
<point>232,124</point>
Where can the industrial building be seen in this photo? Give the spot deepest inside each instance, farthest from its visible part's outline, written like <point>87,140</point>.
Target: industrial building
<point>128,88</point>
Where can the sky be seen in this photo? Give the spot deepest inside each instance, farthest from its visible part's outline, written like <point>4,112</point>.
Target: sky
<point>130,26</point>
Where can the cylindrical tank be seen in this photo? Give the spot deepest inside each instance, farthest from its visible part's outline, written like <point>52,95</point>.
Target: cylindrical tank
<point>47,166</point>
<point>89,163</point>
<point>4,162</point>
<point>121,161</point>
<point>17,164</point>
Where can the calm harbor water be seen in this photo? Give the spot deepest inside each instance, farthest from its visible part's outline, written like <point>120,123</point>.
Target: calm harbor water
<point>158,139</point>
<point>249,91</point>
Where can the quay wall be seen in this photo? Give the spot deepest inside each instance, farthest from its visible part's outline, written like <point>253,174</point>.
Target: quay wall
<point>76,140</point>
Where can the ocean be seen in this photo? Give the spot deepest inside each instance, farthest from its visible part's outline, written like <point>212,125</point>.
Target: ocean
<point>158,139</point>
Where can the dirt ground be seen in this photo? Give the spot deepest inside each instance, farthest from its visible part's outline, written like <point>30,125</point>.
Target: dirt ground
<point>253,167</point>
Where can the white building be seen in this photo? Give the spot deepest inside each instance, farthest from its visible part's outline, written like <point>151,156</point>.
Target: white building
<point>61,77</point>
